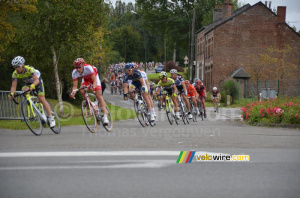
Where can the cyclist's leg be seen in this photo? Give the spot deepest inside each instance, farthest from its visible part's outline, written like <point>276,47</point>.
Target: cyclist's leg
<point>203,105</point>
<point>186,101</point>
<point>214,102</point>
<point>41,96</point>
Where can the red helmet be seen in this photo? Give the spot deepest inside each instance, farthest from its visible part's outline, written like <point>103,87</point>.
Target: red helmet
<point>78,62</point>
<point>186,82</point>
<point>135,66</point>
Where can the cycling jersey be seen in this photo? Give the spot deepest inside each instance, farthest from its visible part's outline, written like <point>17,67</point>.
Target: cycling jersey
<point>178,82</point>
<point>86,75</point>
<point>134,79</point>
<point>167,85</point>
<point>191,91</point>
<point>200,90</point>
<point>27,77</point>
<point>215,94</point>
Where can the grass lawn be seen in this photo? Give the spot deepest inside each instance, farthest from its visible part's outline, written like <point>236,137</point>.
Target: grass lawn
<point>72,116</point>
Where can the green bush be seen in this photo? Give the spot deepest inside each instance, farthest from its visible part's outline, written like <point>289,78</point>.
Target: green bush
<point>231,88</point>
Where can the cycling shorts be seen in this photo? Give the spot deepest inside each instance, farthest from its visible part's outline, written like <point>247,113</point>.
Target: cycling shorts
<point>39,88</point>
<point>87,83</point>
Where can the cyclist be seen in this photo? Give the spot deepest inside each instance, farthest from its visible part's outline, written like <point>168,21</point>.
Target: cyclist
<point>168,84</point>
<point>215,97</point>
<point>33,81</point>
<point>133,80</point>
<point>191,93</point>
<point>144,75</point>
<point>200,89</point>
<point>89,75</point>
<point>179,82</point>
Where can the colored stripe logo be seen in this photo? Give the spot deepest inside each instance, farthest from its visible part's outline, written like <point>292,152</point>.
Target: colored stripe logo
<point>185,156</point>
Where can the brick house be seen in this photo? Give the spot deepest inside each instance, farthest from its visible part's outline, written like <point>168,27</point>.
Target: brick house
<point>223,47</point>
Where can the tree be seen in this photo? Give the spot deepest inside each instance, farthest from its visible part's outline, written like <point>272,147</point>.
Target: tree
<point>282,61</point>
<point>257,68</point>
<point>7,31</point>
<point>126,40</point>
<point>63,25</point>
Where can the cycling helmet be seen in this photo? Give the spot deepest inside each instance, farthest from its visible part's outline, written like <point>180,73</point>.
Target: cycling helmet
<point>78,62</point>
<point>196,79</point>
<point>135,66</point>
<point>215,89</point>
<point>128,66</point>
<point>162,75</point>
<point>18,61</point>
<point>173,71</point>
<point>186,82</point>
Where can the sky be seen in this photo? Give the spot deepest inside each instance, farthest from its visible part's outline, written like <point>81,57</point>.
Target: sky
<point>292,9</point>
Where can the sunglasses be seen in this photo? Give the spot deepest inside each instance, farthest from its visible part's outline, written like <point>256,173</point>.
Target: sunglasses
<point>16,66</point>
<point>77,67</point>
<point>129,69</point>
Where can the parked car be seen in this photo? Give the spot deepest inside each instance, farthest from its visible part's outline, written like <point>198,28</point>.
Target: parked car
<point>159,69</point>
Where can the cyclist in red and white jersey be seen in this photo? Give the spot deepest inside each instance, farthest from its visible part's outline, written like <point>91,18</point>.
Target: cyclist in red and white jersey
<point>89,75</point>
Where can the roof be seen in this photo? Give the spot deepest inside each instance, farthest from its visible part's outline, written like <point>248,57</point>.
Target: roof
<point>234,14</point>
<point>240,73</point>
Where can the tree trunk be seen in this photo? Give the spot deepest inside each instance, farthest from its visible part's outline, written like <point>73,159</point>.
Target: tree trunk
<point>57,81</point>
<point>174,53</point>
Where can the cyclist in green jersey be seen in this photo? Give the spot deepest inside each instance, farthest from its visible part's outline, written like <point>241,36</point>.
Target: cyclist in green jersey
<point>169,87</point>
<point>33,81</point>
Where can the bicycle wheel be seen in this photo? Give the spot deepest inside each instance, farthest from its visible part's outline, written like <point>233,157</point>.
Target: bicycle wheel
<point>182,112</point>
<point>110,125</point>
<point>174,116</point>
<point>139,114</point>
<point>201,111</point>
<point>89,116</point>
<point>57,127</point>
<point>194,115</point>
<point>32,118</point>
<point>169,112</point>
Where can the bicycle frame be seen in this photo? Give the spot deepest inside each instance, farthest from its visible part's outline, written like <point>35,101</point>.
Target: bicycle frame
<point>40,110</point>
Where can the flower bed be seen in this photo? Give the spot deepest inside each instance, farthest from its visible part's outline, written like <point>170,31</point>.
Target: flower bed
<point>279,111</point>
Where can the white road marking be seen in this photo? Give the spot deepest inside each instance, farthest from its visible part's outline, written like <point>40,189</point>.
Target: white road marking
<point>98,153</point>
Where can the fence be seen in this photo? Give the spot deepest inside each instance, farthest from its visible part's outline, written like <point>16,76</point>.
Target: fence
<point>8,109</point>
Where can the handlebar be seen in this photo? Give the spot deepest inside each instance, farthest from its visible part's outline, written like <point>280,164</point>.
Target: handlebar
<point>17,95</point>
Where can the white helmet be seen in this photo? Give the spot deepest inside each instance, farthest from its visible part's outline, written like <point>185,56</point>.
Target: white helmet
<point>173,71</point>
<point>215,89</point>
<point>18,61</point>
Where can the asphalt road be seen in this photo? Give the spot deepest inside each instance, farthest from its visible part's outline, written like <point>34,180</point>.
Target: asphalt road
<point>133,161</point>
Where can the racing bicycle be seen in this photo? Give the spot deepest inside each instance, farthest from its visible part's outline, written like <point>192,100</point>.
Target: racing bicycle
<point>141,109</point>
<point>34,114</point>
<point>91,112</point>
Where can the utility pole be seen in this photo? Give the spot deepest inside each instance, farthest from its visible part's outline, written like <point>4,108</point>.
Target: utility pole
<point>192,45</point>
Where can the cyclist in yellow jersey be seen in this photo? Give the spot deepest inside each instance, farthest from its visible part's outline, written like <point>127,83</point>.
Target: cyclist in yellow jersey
<point>33,81</point>
<point>169,87</point>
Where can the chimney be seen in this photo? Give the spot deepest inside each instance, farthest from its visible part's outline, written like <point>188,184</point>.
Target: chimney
<point>281,10</point>
<point>266,3</point>
<point>217,12</point>
<point>227,8</point>
<point>270,5</point>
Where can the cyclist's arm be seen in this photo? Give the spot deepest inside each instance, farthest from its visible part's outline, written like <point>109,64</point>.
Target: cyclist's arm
<point>212,97</point>
<point>13,87</point>
<point>93,77</point>
<point>184,88</point>
<point>125,85</point>
<point>204,93</point>
<point>147,83</point>
<point>175,89</point>
<point>75,82</point>
<point>36,81</point>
